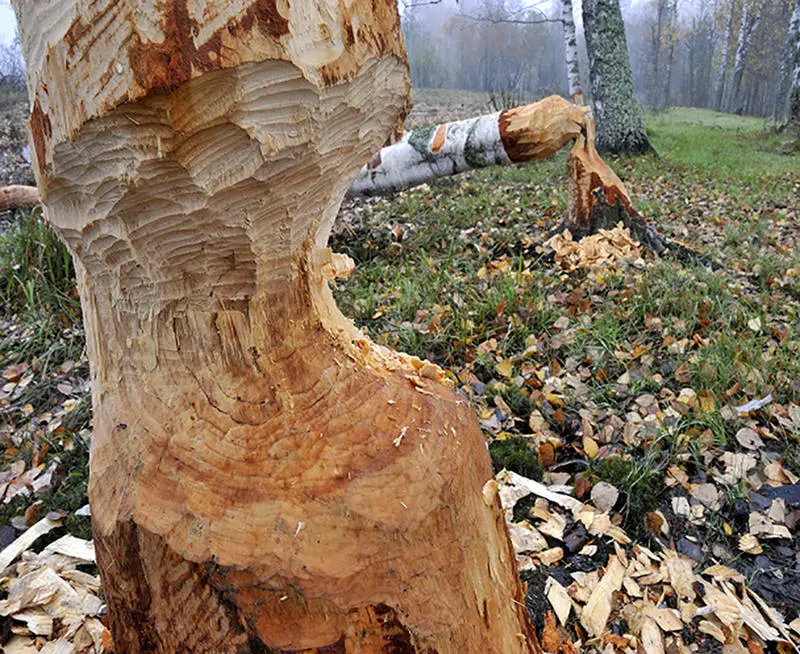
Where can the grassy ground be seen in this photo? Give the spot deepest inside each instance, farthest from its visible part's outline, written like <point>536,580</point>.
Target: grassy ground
<point>647,361</point>
<point>622,374</point>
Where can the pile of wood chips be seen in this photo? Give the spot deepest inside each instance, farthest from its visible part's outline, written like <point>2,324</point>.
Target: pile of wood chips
<point>640,601</point>
<point>54,605</point>
<point>607,247</point>
<point>657,598</point>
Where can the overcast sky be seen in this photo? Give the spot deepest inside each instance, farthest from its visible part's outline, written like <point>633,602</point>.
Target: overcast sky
<point>8,24</point>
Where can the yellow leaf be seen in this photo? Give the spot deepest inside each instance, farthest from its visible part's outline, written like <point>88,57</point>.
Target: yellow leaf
<point>504,368</point>
<point>590,447</point>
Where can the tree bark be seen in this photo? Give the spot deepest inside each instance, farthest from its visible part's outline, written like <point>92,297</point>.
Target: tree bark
<point>723,67</point>
<point>571,48</point>
<point>790,75</point>
<point>512,136</point>
<point>747,29</point>
<point>597,198</point>
<point>672,27</point>
<point>18,197</point>
<point>263,477</point>
<point>620,126</point>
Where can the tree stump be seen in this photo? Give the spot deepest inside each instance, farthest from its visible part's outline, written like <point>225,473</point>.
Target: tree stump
<point>597,198</point>
<point>263,477</point>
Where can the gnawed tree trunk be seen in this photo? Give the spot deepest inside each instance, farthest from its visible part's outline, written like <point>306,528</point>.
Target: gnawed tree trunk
<point>723,67</point>
<point>512,136</point>
<point>571,48</point>
<point>263,477</point>
<point>793,66</point>
<point>598,199</point>
<point>620,125</point>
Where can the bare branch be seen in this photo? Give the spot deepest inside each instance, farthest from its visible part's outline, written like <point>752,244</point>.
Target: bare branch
<point>512,21</point>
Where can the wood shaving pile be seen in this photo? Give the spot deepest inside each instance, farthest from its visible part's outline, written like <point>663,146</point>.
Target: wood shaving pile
<point>607,247</point>
<point>53,605</point>
<point>641,601</point>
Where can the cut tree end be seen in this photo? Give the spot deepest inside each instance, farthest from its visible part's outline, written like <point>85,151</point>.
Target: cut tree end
<point>597,197</point>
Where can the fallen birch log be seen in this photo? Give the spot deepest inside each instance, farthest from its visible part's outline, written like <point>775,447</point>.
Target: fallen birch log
<point>515,135</point>
<point>597,198</point>
<point>19,197</point>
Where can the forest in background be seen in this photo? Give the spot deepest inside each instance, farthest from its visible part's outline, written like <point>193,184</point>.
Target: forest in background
<point>677,48</point>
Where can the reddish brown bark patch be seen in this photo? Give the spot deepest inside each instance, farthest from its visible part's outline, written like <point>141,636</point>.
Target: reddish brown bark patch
<point>41,131</point>
<point>511,144</point>
<point>439,138</point>
<point>265,14</point>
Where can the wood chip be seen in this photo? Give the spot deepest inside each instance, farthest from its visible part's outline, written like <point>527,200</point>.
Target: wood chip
<point>529,486</point>
<point>25,541</point>
<point>651,637</point>
<point>559,599</point>
<point>679,572</point>
<point>598,608</point>
<point>712,630</point>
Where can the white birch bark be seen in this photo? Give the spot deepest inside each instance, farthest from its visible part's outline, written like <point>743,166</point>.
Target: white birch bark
<point>748,27</point>
<point>723,67</point>
<point>512,136</point>
<point>466,144</point>
<point>794,93</point>
<point>781,113</point>
<point>571,47</point>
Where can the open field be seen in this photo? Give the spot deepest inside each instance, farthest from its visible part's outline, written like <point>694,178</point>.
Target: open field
<point>627,374</point>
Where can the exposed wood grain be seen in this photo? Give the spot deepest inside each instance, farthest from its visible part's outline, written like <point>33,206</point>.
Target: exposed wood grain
<point>247,491</point>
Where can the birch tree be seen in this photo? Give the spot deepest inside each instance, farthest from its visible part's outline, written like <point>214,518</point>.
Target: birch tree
<point>620,125</point>
<point>789,61</point>
<point>723,67</point>
<point>794,93</point>
<point>751,19</point>
<point>263,477</point>
<point>571,48</point>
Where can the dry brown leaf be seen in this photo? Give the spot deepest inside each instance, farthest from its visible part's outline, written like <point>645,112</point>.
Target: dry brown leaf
<point>604,496</point>
<point>749,439</point>
<point>749,543</point>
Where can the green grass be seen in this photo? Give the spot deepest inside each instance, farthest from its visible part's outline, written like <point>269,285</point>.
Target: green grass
<point>37,289</point>
<point>468,284</point>
<point>733,149</point>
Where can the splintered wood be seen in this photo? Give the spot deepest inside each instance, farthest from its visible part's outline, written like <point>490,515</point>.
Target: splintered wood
<point>638,600</point>
<point>607,247</point>
<point>53,605</point>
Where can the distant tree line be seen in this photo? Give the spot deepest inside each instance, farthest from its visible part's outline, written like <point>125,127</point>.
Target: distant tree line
<point>728,55</point>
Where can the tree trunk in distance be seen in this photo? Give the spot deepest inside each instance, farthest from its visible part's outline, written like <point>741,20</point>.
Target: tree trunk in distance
<point>672,25</point>
<point>571,49</point>
<point>747,28</point>
<point>723,68</point>
<point>620,126</point>
<point>790,75</point>
<point>263,477</point>
<point>512,136</point>
<point>793,126</point>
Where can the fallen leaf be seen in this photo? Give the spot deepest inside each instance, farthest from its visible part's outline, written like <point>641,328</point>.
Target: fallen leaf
<point>749,439</point>
<point>604,496</point>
